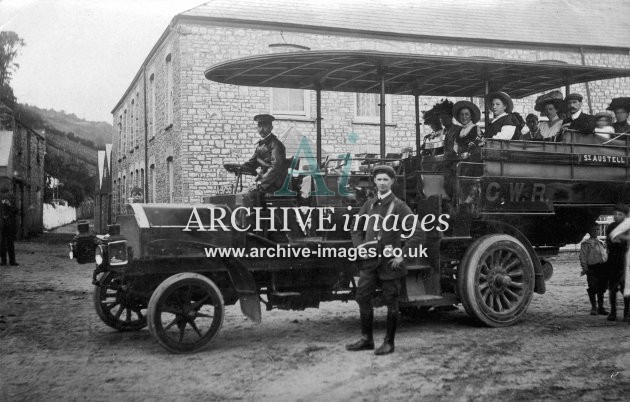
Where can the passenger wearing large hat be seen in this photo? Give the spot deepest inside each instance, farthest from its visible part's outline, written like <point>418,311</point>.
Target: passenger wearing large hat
<point>503,125</point>
<point>621,108</point>
<point>387,269</point>
<point>270,158</point>
<point>433,143</point>
<point>550,105</point>
<point>469,138</point>
<point>578,121</point>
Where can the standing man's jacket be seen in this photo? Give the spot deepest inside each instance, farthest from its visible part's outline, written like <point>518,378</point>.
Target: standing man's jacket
<point>585,123</point>
<point>385,238</point>
<point>270,156</point>
<point>8,219</point>
<point>616,251</point>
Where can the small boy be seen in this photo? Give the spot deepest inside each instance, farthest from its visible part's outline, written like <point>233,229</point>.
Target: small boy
<point>593,257</point>
<point>603,123</point>
<point>531,121</point>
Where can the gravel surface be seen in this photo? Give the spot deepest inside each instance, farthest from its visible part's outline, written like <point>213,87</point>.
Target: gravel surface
<point>53,346</point>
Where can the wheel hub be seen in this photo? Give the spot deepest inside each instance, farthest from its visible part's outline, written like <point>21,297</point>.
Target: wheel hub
<point>498,280</point>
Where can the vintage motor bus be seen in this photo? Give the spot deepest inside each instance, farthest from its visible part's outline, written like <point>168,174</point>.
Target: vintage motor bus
<point>508,213</point>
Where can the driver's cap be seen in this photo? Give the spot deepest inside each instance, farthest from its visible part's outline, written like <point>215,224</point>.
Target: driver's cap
<point>264,118</point>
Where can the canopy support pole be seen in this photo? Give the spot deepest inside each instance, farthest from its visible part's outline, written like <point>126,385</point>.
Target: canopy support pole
<point>381,73</point>
<point>318,121</point>
<point>588,89</point>
<point>486,109</point>
<point>417,109</point>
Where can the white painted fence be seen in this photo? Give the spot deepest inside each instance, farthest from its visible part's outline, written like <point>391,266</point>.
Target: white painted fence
<point>56,215</point>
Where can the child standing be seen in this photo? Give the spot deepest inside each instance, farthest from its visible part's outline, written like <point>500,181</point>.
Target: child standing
<point>593,257</point>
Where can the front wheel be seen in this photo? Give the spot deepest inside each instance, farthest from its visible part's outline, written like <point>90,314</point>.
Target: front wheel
<point>495,280</point>
<point>185,312</point>
<point>116,306</point>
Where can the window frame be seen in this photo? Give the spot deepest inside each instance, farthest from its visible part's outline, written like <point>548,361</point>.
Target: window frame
<point>305,114</point>
<point>169,98</point>
<point>372,119</point>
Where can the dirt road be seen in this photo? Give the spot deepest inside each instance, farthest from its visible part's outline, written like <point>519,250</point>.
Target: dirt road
<point>53,346</point>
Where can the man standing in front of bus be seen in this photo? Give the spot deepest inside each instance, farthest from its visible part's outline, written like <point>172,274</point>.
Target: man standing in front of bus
<point>388,270</point>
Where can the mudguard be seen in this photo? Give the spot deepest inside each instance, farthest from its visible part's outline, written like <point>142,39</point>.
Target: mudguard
<point>245,286</point>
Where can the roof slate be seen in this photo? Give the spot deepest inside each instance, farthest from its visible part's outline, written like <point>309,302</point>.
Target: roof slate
<point>602,23</point>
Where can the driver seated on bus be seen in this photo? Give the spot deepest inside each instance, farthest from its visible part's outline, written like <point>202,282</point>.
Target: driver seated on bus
<point>270,158</point>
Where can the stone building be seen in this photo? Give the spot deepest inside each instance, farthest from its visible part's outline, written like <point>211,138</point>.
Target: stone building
<point>177,128</point>
<point>102,193</point>
<point>22,152</point>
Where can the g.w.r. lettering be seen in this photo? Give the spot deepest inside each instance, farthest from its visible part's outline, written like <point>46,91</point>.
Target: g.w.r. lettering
<point>515,192</point>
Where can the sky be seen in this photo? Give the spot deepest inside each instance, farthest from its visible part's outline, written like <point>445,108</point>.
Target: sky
<point>81,55</point>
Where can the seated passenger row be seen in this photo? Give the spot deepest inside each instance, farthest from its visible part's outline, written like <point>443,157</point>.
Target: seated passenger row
<point>455,131</point>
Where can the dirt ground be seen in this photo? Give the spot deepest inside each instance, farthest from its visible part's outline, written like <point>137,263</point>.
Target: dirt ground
<point>53,346</point>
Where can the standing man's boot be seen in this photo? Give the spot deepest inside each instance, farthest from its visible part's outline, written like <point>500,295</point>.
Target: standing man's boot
<point>600,305</point>
<point>367,341</point>
<point>388,344</point>
<point>626,309</point>
<point>591,298</point>
<point>613,306</point>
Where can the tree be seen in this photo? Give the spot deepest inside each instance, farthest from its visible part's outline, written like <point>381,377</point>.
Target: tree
<point>10,43</point>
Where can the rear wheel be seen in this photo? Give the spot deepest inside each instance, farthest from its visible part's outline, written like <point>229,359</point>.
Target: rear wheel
<point>185,312</point>
<point>495,280</point>
<point>116,307</point>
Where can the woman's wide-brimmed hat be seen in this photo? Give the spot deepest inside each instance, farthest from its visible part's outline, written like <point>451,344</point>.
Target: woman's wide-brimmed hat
<point>553,97</point>
<point>474,110</point>
<point>619,103</point>
<point>505,98</point>
<point>433,115</point>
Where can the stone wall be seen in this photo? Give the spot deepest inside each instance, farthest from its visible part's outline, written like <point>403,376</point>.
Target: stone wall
<point>213,122</point>
<point>28,182</point>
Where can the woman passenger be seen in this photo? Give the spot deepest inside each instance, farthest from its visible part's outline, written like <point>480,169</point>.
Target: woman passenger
<point>469,139</point>
<point>550,105</point>
<point>433,142</point>
<point>621,107</point>
<point>503,125</point>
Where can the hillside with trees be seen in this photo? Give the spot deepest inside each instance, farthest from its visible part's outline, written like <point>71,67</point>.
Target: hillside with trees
<point>97,132</point>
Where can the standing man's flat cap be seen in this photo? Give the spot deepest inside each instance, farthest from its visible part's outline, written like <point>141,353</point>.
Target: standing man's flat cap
<point>388,170</point>
<point>264,118</point>
<point>574,96</point>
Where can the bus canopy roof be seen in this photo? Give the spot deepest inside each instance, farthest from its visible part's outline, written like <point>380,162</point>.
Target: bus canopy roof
<point>360,71</point>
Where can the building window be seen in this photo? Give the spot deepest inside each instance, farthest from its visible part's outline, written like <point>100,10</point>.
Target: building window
<point>125,128</point>
<point>141,185</point>
<point>290,102</point>
<point>367,108</point>
<point>137,122</point>
<point>120,136</point>
<point>123,194</point>
<point>169,90</point>
<point>152,105</point>
<point>152,177</point>
<point>170,177</point>
<point>132,126</point>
